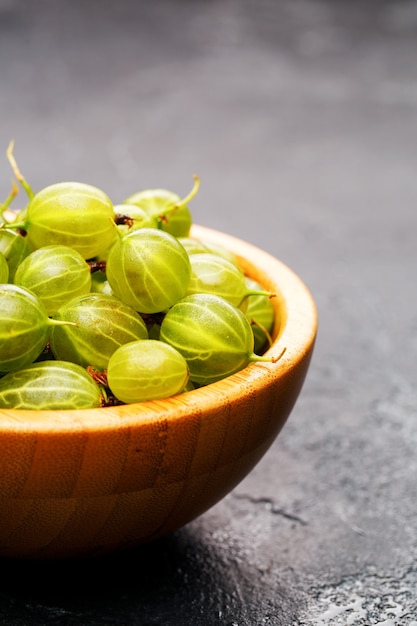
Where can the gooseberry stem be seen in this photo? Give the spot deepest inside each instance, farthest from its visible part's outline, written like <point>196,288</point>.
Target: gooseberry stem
<point>260,292</point>
<point>185,200</point>
<point>268,359</point>
<point>21,179</point>
<point>192,193</point>
<point>263,329</point>
<point>54,322</point>
<point>9,200</point>
<point>257,292</point>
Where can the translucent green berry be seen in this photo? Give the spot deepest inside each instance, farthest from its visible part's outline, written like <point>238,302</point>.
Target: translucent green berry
<point>213,335</point>
<point>24,327</point>
<point>100,324</point>
<point>55,274</point>
<point>148,269</point>
<point>72,214</point>
<point>167,208</point>
<point>146,370</point>
<point>14,247</point>
<point>49,385</point>
<point>211,273</point>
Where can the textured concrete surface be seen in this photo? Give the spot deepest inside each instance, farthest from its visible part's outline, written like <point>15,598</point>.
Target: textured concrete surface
<point>301,120</point>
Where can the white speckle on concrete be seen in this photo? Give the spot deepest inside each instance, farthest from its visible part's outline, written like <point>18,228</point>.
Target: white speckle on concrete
<point>369,600</point>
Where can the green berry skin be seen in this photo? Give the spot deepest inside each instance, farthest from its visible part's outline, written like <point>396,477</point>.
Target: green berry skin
<point>200,246</point>
<point>72,214</point>
<point>211,273</point>
<point>101,323</point>
<point>261,314</point>
<point>213,335</point>
<point>148,269</point>
<point>146,370</point>
<point>15,248</point>
<point>193,246</point>
<point>49,385</point>
<point>217,248</point>
<point>159,204</point>
<point>4,269</point>
<point>55,274</point>
<point>24,327</point>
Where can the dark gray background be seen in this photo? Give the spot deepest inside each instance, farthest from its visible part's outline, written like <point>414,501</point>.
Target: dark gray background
<point>301,120</point>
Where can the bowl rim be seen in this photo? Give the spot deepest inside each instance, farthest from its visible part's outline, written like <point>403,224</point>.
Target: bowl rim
<point>295,335</point>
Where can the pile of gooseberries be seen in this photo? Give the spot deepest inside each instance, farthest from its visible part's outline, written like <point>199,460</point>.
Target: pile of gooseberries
<point>105,303</point>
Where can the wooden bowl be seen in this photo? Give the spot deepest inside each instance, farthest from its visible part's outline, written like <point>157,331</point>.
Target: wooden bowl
<point>86,482</point>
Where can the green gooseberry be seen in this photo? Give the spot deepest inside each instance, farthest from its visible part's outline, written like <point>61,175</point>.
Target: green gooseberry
<point>50,385</point>
<point>148,269</point>
<point>100,323</point>
<point>213,335</point>
<point>167,208</point>
<point>217,248</point>
<point>5,205</point>
<point>73,214</point>
<point>24,327</point>
<point>197,246</point>
<point>55,274</point>
<point>261,315</point>
<point>146,370</point>
<point>193,246</point>
<point>15,248</point>
<point>4,269</point>
<point>211,273</point>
